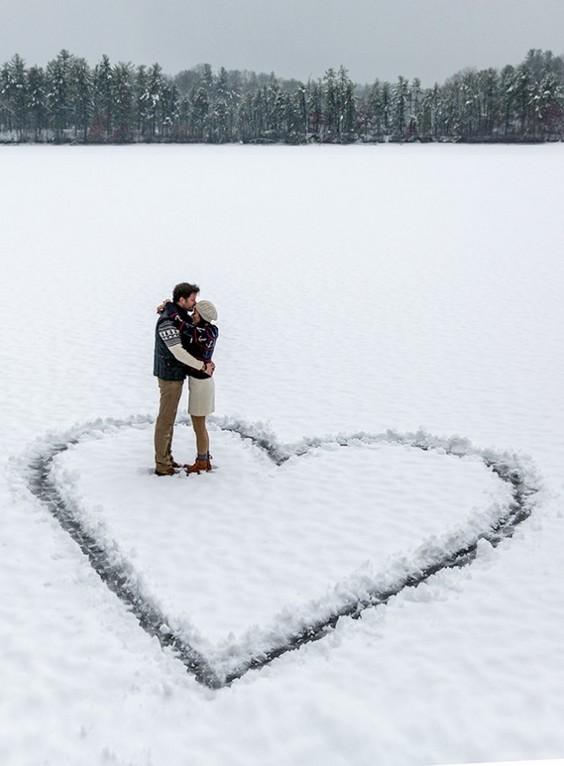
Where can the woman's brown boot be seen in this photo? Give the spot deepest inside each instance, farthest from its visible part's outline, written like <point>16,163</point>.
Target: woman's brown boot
<point>198,466</point>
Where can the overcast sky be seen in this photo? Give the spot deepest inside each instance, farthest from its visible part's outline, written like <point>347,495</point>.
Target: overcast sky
<point>429,39</point>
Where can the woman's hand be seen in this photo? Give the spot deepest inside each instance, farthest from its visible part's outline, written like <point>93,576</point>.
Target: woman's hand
<point>209,368</point>
<point>161,307</point>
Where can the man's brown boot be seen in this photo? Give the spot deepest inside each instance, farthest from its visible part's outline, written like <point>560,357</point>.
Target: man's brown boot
<point>166,472</point>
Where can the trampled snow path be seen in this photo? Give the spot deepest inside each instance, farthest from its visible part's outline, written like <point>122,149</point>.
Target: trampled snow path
<point>453,550</point>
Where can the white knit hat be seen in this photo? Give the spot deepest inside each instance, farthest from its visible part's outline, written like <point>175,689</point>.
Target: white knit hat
<point>206,310</point>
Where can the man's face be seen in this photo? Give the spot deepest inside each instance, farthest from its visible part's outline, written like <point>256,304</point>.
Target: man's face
<point>188,303</point>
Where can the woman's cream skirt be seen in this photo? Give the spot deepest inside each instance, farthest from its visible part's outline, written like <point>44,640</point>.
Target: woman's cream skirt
<point>201,396</point>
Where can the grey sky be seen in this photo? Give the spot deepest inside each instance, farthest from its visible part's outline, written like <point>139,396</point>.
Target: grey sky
<point>430,39</point>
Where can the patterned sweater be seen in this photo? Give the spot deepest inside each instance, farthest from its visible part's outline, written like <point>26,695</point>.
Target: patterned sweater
<point>198,340</point>
<point>171,360</point>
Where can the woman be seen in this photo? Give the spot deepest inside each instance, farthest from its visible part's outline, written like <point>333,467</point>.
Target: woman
<point>199,336</point>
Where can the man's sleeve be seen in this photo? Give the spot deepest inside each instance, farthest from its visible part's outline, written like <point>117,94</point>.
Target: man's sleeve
<point>171,338</point>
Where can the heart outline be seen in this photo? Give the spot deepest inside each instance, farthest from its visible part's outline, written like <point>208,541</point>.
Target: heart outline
<point>120,577</point>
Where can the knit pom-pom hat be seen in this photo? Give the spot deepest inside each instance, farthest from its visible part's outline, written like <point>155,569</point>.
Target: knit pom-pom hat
<point>206,310</point>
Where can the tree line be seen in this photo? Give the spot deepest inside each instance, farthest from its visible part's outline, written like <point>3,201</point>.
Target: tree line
<point>67,101</point>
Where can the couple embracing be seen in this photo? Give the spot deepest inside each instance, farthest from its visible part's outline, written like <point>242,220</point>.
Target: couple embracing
<point>185,338</point>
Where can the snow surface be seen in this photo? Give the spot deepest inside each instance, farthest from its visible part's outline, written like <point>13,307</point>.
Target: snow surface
<point>364,291</point>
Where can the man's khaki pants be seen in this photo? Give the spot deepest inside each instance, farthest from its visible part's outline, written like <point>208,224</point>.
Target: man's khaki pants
<point>171,391</point>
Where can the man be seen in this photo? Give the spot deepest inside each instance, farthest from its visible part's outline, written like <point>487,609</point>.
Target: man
<point>170,367</point>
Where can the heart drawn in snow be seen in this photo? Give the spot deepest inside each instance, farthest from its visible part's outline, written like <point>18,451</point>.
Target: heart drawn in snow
<point>232,569</point>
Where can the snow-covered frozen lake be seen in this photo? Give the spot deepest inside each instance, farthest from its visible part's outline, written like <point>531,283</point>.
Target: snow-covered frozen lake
<point>391,329</point>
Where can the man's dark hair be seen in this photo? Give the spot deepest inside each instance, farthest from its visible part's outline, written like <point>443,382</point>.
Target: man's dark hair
<point>184,290</point>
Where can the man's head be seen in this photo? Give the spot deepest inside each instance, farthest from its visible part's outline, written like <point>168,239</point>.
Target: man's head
<point>185,294</point>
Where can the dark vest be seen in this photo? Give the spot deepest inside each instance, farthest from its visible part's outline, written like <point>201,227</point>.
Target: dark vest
<point>166,366</point>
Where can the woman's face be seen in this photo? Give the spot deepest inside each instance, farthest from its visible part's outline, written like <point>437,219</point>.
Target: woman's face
<point>195,317</point>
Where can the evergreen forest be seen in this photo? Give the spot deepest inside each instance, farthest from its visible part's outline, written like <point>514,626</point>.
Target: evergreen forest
<point>67,101</point>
